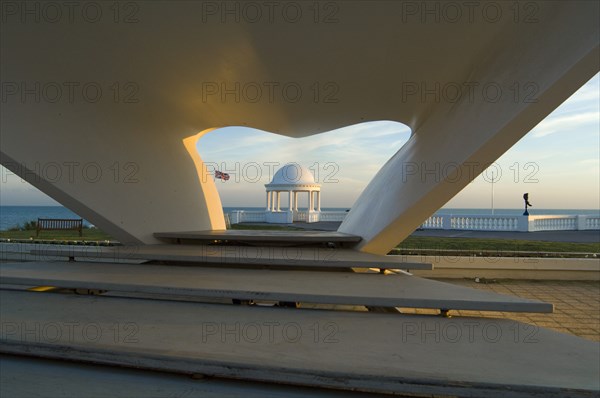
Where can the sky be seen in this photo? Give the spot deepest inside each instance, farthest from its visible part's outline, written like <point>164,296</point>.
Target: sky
<point>557,162</point>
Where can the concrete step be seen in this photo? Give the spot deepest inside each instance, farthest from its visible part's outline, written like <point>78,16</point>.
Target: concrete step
<point>264,238</point>
<point>58,378</point>
<point>383,353</point>
<point>246,256</point>
<point>350,288</point>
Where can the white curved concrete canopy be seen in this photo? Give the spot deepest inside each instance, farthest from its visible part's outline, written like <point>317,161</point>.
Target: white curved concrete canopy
<point>180,58</point>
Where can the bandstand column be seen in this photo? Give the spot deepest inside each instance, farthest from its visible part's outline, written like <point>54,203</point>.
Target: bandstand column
<point>290,200</point>
<point>310,201</point>
<point>318,200</point>
<point>268,200</point>
<point>295,200</point>
<point>278,200</point>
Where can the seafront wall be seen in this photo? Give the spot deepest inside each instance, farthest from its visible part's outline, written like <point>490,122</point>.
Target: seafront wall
<point>513,223</point>
<point>475,222</point>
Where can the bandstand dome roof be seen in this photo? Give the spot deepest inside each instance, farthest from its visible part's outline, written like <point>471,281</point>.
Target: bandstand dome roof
<point>293,174</point>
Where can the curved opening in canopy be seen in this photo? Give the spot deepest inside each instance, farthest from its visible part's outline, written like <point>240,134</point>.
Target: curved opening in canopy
<point>343,160</point>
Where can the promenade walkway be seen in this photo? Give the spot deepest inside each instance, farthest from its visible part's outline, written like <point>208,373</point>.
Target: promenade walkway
<point>576,304</point>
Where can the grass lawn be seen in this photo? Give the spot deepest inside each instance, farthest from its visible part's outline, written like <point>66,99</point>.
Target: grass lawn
<point>95,234</point>
<point>89,234</point>
<point>467,246</point>
<point>411,245</point>
<point>491,246</point>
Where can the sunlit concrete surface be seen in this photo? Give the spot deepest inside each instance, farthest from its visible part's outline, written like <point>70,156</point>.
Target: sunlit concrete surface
<point>170,72</point>
<point>373,289</point>
<point>576,304</point>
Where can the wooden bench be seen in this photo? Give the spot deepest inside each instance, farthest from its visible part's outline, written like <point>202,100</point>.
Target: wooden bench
<point>59,224</point>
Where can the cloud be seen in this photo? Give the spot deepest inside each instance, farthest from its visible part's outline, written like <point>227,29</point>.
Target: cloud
<point>566,123</point>
<point>588,93</point>
<point>590,162</point>
<point>351,155</point>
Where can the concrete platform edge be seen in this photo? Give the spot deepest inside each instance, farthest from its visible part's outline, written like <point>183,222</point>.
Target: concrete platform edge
<point>333,380</point>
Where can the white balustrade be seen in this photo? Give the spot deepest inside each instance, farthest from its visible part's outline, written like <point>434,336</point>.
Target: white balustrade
<point>552,223</point>
<point>301,216</point>
<point>462,222</point>
<point>512,223</point>
<point>332,215</point>
<point>240,216</point>
<point>434,222</point>
<point>589,222</point>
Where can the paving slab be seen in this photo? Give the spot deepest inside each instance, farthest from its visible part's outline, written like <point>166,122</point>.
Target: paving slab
<point>368,289</point>
<point>576,303</point>
<point>249,256</point>
<point>348,350</point>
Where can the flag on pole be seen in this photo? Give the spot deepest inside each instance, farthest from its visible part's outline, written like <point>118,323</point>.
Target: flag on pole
<point>221,175</point>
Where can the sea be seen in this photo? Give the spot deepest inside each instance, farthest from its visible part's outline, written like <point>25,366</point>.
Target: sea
<point>12,216</point>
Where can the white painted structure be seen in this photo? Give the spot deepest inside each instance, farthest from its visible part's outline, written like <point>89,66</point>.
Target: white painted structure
<point>105,116</point>
<point>465,222</point>
<point>128,159</point>
<point>292,179</point>
<point>251,216</point>
<point>513,223</point>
